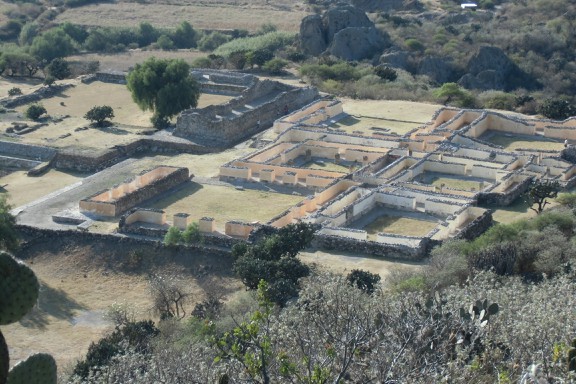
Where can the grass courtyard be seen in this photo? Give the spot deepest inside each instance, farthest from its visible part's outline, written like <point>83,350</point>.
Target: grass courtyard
<point>514,142</point>
<point>225,203</point>
<point>398,225</point>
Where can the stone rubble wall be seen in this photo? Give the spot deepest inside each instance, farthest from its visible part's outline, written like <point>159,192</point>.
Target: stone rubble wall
<point>39,94</point>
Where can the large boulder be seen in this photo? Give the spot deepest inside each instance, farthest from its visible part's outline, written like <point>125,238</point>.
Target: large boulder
<point>436,68</point>
<point>395,58</point>
<point>339,18</point>
<point>343,31</point>
<point>312,40</point>
<point>379,5</point>
<point>489,58</point>
<point>358,43</point>
<point>490,68</point>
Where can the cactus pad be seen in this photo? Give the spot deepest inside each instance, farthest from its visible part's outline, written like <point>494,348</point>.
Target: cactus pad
<point>4,360</point>
<point>39,368</point>
<point>18,289</point>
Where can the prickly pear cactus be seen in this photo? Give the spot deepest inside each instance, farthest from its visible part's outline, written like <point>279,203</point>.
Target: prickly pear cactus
<point>18,293</point>
<point>18,289</point>
<point>4,360</point>
<point>39,368</point>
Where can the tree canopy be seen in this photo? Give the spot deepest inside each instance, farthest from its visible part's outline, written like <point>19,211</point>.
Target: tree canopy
<point>164,87</point>
<point>8,236</point>
<point>100,114</point>
<point>273,259</point>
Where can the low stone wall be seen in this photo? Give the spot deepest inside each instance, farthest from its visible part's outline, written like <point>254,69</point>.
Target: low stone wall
<point>14,162</point>
<point>127,195</point>
<point>506,198</point>
<point>223,126</point>
<point>69,159</point>
<point>371,248</point>
<point>114,77</point>
<point>33,234</point>
<point>27,151</point>
<point>476,227</point>
<point>37,95</point>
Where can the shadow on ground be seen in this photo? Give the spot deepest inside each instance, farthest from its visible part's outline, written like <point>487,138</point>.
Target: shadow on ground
<point>51,302</point>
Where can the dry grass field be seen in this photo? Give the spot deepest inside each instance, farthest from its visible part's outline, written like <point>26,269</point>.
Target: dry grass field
<point>225,203</point>
<point>125,60</point>
<point>403,111</point>
<point>397,225</point>
<point>511,143</point>
<point>26,85</point>
<point>459,183</point>
<point>22,189</point>
<point>80,282</point>
<point>352,124</point>
<point>248,15</point>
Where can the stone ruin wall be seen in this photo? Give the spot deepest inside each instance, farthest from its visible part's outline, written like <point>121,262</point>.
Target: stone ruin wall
<point>211,125</point>
<point>145,186</point>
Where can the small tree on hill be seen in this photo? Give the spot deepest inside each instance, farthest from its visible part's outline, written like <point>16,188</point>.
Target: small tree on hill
<point>99,115</point>
<point>541,191</point>
<point>173,236</point>
<point>386,73</point>
<point>58,68</point>
<point>15,91</point>
<point>35,111</point>
<point>451,92</point>
<point>363,280</point>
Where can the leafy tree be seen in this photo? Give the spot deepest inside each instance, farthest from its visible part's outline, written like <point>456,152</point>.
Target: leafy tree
<point>259,57</point>
<point>173,236</point>
<point>557,109</point>
<point>51,45</point>
<point>165,43</point>
<point>99,114</point>
<point>17,62</point>
<point>212,40</point>
<point>49,80</point>
<point>386,73</point>
<point>185,36</point>
<point>363,280</point>
<point>76,32</point>
<point>273,259</point>
<point>541,191</point>
<point>35,111</point>
<point>164,87</point>
<point>129,336</point>
<point>275,66</point>
<point>59,69</point>
<point>192,234</point>
<point>28,33</point>
<point>147,34</point>
<point>8,236</point>
<point>452,92</point>
<point>14,91</point>
<point>237,59</point>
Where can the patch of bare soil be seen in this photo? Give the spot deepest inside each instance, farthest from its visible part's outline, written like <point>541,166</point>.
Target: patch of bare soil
<point>81,281</point>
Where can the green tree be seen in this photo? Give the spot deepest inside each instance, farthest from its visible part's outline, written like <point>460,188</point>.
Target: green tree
<point>165,43</point>
<point>385,73</point>
<point>192,234</point>
<point>557,109</point>
<point>59,69</point>
<point>363,280</point>
<point>173,236</point>
<point>259,57</point>
<point>17,62</point>
<point>76,32</point>
<point>164,87</point>
<point>212,40</point>
<point>28,33</point>
<point>147,34</point>
<point>14,91</point>
<point>275,66</point>
<point>237,59</point>
<point>35,111</point>
<point>273,259</point>
<point>51,45</point>
<point>541,191</point>
<point>452,92</point>
<point>185,36</point>
<point>99,114</point>
<point>8,235</point>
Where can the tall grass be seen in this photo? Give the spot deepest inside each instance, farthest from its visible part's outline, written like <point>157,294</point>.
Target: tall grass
<point>269,41</point>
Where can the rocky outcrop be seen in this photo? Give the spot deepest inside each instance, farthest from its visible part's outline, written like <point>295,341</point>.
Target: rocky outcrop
<point>490,68</point>
<point>358,43</point>
<point>396,58</point>
<point>436,68</point>
<point>387,5</point>
<point>343,31</point>
<point>312,38</point>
